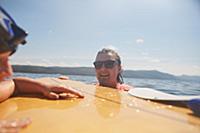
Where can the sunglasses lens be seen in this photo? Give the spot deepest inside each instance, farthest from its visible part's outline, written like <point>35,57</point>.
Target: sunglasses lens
<point>98,65</point>
<point>107,64</point>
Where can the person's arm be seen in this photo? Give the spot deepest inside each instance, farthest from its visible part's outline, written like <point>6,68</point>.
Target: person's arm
<point>6,89</point>
<point>32,86</point>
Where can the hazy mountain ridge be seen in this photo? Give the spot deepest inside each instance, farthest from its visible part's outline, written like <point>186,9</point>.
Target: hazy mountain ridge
<point>89,71</point>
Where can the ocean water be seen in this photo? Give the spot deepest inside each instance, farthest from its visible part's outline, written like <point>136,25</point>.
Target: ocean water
<point>176,87</point>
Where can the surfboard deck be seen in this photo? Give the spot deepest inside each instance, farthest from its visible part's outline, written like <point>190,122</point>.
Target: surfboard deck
<point>102,110</point>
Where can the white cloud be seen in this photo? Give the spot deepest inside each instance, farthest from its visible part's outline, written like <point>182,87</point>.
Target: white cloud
<point>50,31</point>
<point>144,53</point>
<point>155,60</point>
<point>156,64</point>
<point>139,41</point>
<point>196,67</point>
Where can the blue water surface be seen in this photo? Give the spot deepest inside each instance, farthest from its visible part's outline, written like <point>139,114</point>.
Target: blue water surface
<point>176,87</point>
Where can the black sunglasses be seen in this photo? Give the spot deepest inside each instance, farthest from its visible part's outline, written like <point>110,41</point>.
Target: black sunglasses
<point>11,35</point>
<point>107,64</point>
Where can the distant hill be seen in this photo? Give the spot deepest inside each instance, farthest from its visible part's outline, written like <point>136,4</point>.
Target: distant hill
<point>191,78</point>
<point>89,71</point>
<point>148,74</point>
<point>54,70</point>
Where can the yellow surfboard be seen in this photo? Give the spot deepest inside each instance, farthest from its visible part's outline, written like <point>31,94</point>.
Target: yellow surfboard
<point>102,110</point>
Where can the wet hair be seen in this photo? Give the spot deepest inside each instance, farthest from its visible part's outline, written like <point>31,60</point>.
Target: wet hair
<point>117,58</point>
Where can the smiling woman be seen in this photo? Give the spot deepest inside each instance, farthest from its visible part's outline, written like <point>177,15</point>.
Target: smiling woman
<point>11,35</point>
<point>108,69</point>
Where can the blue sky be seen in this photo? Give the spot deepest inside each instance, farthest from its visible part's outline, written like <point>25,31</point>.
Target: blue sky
<point>148,34</point>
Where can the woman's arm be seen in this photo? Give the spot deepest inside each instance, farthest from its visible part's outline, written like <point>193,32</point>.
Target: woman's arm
<point>32,86</point>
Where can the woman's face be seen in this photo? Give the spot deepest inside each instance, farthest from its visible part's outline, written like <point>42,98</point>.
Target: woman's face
<point>108,69</point>
<point>5,67</point>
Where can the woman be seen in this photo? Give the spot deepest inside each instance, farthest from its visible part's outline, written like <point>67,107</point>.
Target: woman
<point>108,69</point>
<point>10,37</point>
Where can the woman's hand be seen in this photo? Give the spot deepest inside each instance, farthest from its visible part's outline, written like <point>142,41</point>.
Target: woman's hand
<point>25,85</point>
<point>61,92</point>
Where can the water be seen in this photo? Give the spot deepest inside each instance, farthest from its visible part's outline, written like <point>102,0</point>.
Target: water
<point>176,87</point>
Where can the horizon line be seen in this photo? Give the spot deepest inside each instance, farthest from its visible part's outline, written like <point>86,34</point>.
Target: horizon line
<point>93,67</point>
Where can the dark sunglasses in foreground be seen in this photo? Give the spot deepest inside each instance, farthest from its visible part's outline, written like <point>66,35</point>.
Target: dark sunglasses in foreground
<point>11,35</point>
<point>107,64</point>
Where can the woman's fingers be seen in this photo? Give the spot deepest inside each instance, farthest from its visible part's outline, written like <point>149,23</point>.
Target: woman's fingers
<point>67,90</point>
<point>75,92</point>
<point>63,94</point>
<point>51,95</point>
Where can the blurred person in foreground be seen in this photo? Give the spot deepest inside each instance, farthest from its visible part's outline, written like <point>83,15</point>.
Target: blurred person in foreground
<point>11,36</point>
